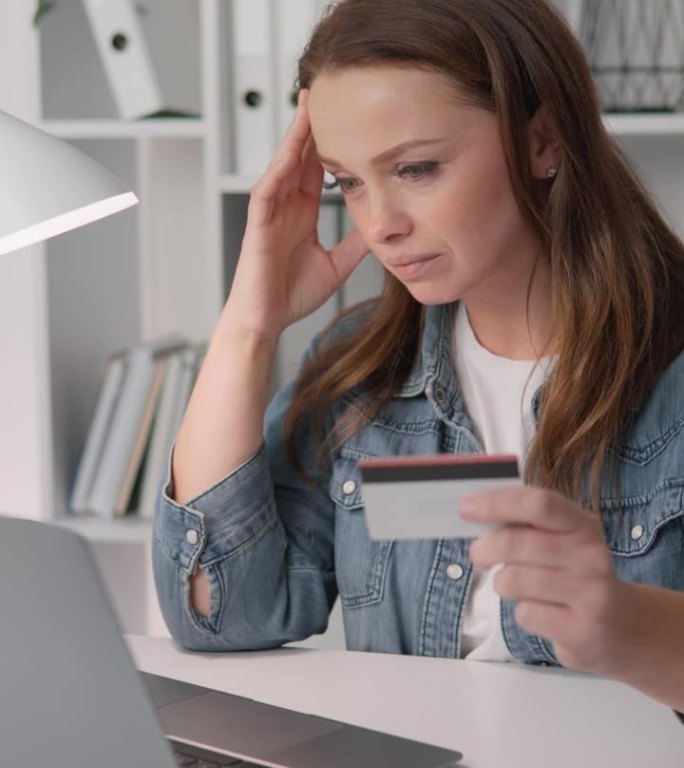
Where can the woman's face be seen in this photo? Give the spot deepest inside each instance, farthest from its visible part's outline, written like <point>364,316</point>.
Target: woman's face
<point>425,180</point>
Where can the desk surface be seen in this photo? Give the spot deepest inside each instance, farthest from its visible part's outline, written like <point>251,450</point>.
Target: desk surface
<point>498,715</point>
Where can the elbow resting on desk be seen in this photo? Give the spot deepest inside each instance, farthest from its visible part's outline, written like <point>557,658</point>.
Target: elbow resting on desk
<point>255,615</point>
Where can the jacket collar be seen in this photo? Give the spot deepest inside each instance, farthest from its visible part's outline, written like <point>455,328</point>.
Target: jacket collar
<point>433,372</point>
<point>434,361</point>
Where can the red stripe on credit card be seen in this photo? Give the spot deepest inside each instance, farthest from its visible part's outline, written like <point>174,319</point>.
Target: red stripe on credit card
<point>439,467</point>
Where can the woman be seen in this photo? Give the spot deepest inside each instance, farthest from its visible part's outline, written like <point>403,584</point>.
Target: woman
<point>532,304</point>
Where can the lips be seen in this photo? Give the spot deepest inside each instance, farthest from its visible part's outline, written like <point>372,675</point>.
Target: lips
<point>413,267</point>
<point>405,261</point>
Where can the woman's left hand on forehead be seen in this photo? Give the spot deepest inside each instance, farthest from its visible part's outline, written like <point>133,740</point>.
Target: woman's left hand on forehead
<point>558,569</point>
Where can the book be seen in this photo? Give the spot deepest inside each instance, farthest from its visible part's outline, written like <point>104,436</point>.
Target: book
<point>132,413</point>
<point>179,379</point>
<point>162,437</point>
<point>191,364</point>
<point>140,442</point>
<point>105,405</point>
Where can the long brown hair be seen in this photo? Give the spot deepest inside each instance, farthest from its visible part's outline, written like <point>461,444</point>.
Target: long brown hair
<point>617,269</point>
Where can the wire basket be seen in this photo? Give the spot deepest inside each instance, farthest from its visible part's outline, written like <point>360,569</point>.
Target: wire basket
<point>636,50</point>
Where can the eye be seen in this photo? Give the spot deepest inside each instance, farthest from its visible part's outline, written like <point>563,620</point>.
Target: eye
<point>416,171</point>
<point>345,185</point>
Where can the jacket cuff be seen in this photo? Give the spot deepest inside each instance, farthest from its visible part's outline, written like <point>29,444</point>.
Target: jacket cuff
<point>219,521</point>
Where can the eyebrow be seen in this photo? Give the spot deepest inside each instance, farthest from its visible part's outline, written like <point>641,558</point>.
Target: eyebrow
<point>389,154</point>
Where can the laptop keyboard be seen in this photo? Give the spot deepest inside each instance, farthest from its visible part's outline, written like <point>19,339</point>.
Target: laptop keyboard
<point>188,756</point>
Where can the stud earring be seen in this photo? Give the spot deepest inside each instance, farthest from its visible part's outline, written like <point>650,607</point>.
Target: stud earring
<point>551,173</point>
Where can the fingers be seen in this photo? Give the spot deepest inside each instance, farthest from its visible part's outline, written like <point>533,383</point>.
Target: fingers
<point>524,544</point>
<point>311,182</point>
<point>524,582</point>
<point>552,585</point>
<point>557,568</point>
<point>281,171</point>
<point>297,134</point>
<point>590,632</point>
<point>550,621</point>
<point>520,544</point>
<point>347,254</point>
<point>538,507</point>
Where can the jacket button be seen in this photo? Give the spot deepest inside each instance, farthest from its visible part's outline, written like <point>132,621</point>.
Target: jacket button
<point>192,536</point>
<point>349,487</point>
<point>637,532</point>
<point>440,395</point>
<point>454,571</point>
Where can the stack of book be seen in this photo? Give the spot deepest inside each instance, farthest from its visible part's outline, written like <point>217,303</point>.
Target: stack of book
<point>138,410</point>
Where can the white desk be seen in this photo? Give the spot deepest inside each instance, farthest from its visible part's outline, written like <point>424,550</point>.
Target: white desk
<point>498,715</point>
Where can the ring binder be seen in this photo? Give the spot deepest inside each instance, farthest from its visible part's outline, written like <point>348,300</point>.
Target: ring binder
<point>150,54</point>
<point>252,98</point>
<point>294,20</point>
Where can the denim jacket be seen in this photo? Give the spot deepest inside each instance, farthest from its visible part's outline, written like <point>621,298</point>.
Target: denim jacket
<point>278,550</point>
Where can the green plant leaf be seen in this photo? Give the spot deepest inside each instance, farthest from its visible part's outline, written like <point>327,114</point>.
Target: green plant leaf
<point>41,9</point>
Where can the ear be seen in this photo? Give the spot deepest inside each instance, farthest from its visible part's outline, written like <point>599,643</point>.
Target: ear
<point>545,144</point>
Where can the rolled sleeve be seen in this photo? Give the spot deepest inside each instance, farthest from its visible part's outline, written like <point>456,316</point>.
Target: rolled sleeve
<point>200,532</point>
<point>264,537</point>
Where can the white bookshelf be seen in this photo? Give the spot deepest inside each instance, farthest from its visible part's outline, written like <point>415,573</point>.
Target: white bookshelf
<point>156,128</point>
<point>162,267</point>
<point>233,183</point>
<point>646,125</point>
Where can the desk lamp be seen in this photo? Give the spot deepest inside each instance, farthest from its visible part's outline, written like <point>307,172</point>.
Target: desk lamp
<point>47,187</point>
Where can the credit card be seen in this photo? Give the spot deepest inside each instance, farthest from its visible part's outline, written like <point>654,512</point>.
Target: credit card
<point>417,497</point>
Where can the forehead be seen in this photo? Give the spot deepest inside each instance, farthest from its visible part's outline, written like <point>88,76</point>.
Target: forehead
<point>365,110</point>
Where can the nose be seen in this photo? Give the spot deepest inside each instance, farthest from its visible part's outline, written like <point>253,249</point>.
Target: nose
<point>388,219</point>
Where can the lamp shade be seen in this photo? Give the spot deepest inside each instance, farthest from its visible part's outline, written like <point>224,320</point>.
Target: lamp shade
<point>47,187</point>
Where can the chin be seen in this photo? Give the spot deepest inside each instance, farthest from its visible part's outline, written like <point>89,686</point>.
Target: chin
<point>432,295</point>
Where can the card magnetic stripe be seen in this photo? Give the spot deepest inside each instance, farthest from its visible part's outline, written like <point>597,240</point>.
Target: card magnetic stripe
<point>413,472</point>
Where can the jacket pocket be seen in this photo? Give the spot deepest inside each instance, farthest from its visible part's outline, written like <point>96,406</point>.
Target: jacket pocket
<point>360,562</point>
<point>645,534</point>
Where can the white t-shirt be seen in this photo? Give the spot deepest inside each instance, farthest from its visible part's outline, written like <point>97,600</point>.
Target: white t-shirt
<point>497,393</point>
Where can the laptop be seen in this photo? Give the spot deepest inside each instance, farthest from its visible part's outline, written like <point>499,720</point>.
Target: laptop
<point>70,696</point>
